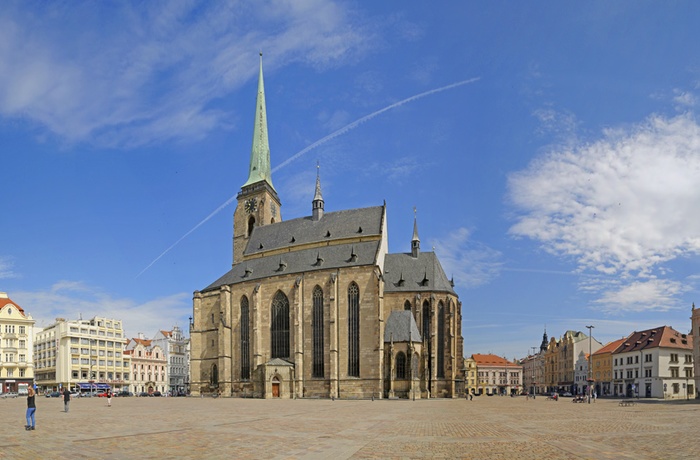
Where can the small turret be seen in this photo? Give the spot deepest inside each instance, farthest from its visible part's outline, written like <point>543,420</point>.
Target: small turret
<point>415,241</point>
<point>317,204</point>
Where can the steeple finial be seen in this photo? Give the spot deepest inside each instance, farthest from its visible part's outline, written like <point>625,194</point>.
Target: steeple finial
<point>415,241</point>
<point>317,204</point>
<point>260,152</point>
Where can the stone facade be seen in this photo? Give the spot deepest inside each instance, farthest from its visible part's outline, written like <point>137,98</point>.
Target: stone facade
<point>306,309</point>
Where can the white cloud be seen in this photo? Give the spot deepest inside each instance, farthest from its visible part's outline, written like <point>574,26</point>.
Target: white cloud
<point>72,300</point>
<point>119,74</point>
<point>623,205</point>
<point>6,268</point>
<point>684,99</point>
<point>654,294</point>
<point>472,264</point>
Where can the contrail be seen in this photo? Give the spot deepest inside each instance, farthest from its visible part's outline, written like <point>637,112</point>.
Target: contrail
<point>322,141</point>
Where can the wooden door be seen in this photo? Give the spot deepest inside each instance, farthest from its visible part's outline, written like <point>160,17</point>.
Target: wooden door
<point>275,389</point>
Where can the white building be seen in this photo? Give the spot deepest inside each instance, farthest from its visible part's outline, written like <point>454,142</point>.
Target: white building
<point>497,375</point>
<point>85,355</point>
<point>581,374</point>
<point>16,363</point>
<point>175,345</point>
<point>655,363</point>
<point>149,366</point>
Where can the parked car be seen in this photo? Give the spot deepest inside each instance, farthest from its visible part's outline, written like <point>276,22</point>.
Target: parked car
<point>157,393</point>
<point>53,394</point>
<point>143,393</point>
<point>124,393</point>
<point>10,394</point>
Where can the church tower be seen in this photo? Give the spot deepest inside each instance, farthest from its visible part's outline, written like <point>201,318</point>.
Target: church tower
<point>258,203</point>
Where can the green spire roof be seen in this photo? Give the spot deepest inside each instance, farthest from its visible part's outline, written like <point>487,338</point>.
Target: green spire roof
<point>260,153</point>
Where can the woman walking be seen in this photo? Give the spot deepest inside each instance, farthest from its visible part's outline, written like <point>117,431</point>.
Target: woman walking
<point>31,409</point>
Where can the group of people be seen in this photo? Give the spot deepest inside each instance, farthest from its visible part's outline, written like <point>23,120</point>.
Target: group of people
<point>31,405</point>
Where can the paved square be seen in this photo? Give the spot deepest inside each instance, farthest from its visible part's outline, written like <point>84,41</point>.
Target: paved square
<point>485,428</point>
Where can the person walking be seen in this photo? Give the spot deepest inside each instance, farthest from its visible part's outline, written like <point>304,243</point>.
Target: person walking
<point>66,399</point>
<point>31,409</point>
<point>109,398</point>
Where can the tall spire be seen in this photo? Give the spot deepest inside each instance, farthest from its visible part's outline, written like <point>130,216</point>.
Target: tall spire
<point>260,153</point>
<point>415,241</point>
<point>317,204</point>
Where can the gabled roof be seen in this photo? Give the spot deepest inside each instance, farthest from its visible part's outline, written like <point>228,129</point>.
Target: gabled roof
<point>405,273</point>
<point>4,300</point>
<point>664,336</point>
<point>401,327</point>
<point>492,360</point>
<point>332,227</point>
<point>338,256</point>
<point>610,347</point>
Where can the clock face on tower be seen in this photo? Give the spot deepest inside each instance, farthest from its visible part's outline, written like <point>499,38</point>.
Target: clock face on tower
<point>251,204</point>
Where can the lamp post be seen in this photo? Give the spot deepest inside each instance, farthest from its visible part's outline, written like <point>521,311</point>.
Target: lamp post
<point>590,360</point>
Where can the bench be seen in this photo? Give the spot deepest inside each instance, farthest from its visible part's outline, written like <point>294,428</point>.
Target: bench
<point>627,402</point>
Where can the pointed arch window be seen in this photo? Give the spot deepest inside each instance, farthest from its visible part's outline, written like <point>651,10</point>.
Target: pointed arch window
<point>318,332</point>
<point>245,339</point>
<point>441,341</point>
<point>214,380</point>
<point>251,224</point>
<point>426,320</point>
<point>279,326</point>
<point>400,365</point>
<point>353,330</point>
<point>407,305</point>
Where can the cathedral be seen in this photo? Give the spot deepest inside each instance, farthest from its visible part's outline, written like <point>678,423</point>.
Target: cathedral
<point>317,307</point>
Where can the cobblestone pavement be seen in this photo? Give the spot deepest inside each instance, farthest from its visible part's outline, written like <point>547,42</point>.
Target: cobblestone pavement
<point>485,428</point>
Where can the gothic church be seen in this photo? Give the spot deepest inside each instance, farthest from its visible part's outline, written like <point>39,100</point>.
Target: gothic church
<point>316,307</point>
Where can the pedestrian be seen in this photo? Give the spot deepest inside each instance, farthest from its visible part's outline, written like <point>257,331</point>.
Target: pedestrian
<point>31,409</point>
<point>109,398</point>
<point>66,399</point>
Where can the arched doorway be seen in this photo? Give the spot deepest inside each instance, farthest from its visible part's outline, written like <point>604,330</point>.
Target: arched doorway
<point>275,387</point>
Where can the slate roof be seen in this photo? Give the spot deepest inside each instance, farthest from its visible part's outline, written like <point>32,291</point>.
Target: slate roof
<point>278,362</point>
<point>333,226</point>
<point>401,327</point>
<point>405,273</point>
<point>300,261</point>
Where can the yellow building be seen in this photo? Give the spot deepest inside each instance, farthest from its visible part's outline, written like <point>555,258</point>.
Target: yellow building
<point>16,363</point>
<point>602,362</point>
<point>317,307</point>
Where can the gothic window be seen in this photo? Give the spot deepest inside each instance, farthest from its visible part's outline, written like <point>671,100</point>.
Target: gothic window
<point>426,320</point>
<point>280,326</point>
<point>353,330</point>
<point>441,341</point>
<point>214,381</point>
<point>415,365</point>
<point>245,339</point>
<point>318,332</point>
<point>251,225</point>
<point>400,365</point>
<point>407,305</point>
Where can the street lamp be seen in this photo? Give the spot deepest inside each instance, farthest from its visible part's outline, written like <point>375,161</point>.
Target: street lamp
<point>590,360</point>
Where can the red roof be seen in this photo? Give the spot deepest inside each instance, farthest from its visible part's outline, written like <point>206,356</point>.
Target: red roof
<point>492,360</point>
<point>664,336</point>
<point>610,347</point>
<point>6,300</point>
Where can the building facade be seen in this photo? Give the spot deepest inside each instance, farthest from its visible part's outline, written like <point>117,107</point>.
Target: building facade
<point>16,356</point>
<point>149,367</point>
<point>175,345</point>
<point>305,309</point>
<point>497,375</point>
<point>83,355</point>
<point>602,362</point>
<point>561,357</point>
<point>471,382</point>
<point>695,330</point>
<point>655,363</point>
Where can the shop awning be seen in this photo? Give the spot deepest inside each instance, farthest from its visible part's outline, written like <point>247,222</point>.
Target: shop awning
<point>97,386</point>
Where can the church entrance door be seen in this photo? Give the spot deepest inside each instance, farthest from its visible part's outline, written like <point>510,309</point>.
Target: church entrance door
<point>275,389</point>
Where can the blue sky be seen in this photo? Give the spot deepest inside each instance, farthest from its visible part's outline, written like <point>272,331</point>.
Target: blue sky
<point>558,179</point>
